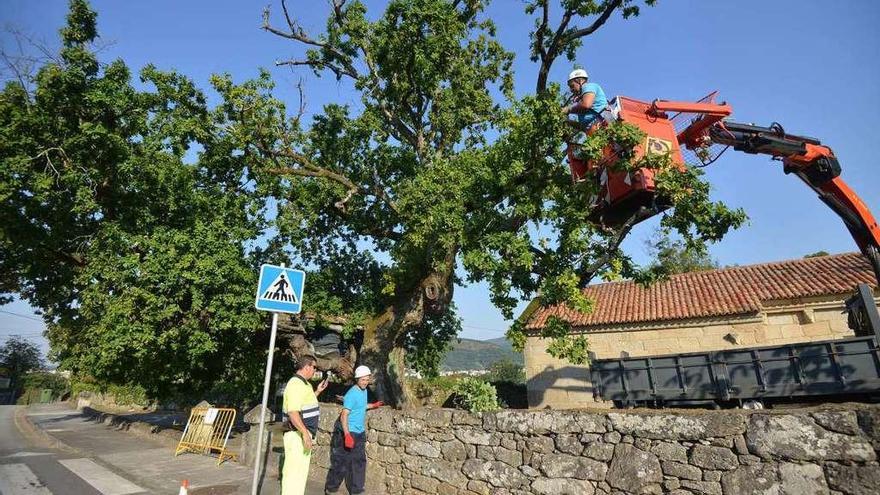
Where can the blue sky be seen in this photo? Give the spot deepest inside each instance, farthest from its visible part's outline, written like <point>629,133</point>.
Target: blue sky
<point>813,68</point>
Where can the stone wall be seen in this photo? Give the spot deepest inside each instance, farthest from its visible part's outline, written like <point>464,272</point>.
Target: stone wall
<point>611,453</point>
<point>557,384</point>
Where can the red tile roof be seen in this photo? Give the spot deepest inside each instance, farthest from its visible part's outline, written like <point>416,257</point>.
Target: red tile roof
<point>727,291</point>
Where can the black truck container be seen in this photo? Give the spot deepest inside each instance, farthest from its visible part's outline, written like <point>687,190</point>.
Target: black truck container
<point>847,367</point>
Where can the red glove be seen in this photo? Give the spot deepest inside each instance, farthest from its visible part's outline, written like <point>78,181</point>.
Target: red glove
<point>349,441</point>
<point>374,405</point>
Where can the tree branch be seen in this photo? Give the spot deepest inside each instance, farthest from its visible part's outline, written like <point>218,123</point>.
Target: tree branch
<point>402,132</point>
<point>75,258</point>
<point>580,33</point>
<point>545,22</point>
<point>381,193</point>
<point>611,248</point>
<point>317,64</point>
<point>564,36</point>
<point>302,102</point>
<point>309,169</point>
<point>297,33</point>
<point>540,255</point>
<point>337,11</point>
<point>553,51</point>
<point>345,67</point>
<point>321,173</point>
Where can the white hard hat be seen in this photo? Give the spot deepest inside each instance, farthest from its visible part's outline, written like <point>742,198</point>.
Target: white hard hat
<point>362,371</point>
<point>578,73</point>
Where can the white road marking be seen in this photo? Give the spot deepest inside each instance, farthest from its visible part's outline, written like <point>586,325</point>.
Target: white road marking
<point>18,479</point>
<point>104,480</point>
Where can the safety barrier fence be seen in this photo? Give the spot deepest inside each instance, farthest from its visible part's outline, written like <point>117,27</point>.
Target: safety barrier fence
<point>207,432</point>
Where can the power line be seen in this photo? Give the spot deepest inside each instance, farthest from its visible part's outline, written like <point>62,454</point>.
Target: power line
<point>21,315</point>
<point>9,337</point>
<point>484,328</point>
<point>8,333</point>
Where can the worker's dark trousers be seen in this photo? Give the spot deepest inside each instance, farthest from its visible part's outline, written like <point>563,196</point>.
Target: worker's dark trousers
<point>347,465</point>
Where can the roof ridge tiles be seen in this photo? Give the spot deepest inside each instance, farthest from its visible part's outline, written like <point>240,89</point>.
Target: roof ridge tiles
<point>720,292</point>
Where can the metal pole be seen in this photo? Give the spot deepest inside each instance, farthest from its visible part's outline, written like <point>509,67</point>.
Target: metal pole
<point>258,454</point>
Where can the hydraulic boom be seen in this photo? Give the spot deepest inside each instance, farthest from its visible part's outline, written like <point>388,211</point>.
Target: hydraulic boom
<point>623,193</point>
<point>816,165</point>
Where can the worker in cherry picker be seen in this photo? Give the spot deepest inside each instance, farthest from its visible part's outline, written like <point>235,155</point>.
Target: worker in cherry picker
<point>587,102</point>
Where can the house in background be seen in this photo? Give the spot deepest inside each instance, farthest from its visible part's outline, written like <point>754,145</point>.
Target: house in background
<point>766,304</point>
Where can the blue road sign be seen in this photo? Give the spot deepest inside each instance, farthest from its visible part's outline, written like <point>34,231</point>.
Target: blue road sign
<point>280,289</point>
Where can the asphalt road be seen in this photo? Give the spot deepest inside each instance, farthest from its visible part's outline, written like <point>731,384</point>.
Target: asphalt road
<point>29,465</point>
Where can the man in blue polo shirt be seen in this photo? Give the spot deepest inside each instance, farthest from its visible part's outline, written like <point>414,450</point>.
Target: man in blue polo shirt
<point>588,100</point>
<point>348,455</point>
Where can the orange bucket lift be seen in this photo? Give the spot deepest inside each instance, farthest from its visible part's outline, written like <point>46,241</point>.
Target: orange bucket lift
<point>621,193</point>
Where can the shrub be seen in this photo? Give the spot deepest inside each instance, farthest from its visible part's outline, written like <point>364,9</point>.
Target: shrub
<point>77,387</point>
<point>28,396</point>
<point>432,391</point>
<point>57,383</point>
<point>33,384</point>
<point>128,395</point>
<point>512,395</point>
<point>475,395</point>
<point>505,370</point>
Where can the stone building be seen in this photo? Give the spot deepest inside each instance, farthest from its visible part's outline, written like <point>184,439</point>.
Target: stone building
<point>765,304</point>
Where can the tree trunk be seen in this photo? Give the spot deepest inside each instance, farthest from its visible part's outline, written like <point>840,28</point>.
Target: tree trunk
<point>383,348</point>
<point>383,352</point>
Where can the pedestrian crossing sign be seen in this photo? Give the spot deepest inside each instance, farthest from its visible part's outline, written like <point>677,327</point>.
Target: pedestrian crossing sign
<point>280,289</point>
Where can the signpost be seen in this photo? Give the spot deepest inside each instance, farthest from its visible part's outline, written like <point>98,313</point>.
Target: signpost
<point>279,290</point>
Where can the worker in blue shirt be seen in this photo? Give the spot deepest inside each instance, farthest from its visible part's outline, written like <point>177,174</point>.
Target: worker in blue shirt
<point>588,100</point>
<point>348,455</point>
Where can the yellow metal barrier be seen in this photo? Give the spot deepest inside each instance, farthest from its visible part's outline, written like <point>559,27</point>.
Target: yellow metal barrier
<point>208,431</point>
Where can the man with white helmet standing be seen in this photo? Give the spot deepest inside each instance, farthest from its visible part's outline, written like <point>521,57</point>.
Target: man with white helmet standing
<point>588,100</point>
<point>348,455</point>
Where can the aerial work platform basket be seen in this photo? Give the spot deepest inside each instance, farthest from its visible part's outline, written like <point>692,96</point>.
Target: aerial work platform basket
<point>667,125</point>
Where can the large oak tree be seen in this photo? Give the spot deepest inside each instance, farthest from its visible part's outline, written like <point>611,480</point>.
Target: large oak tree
<point>442,175</point>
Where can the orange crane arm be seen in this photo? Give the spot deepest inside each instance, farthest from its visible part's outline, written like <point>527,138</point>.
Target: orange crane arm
<point>813,163</point>
<point>802,156</point>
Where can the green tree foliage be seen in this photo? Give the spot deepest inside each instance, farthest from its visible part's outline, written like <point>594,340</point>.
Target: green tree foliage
<point>429,342</point>
<point>39,381</point>
<point>19,356</point>
<point>407,190</point>
<point>672,256</point>
<point>144,263</point>
<point>46,380</point>
<point>505,370</point>
<point>137,258</point>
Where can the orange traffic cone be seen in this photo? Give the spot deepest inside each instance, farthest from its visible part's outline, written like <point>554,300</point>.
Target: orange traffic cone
<point>184,488</point>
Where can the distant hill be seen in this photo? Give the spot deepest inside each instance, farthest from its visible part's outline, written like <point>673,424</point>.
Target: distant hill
<point>469,354</point>
<point>501,342</point>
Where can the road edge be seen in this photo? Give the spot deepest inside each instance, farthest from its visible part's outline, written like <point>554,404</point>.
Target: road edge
<point>36,434</point>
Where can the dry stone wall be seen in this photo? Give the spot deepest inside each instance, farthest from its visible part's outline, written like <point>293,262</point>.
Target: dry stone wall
<point>442,451</point>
